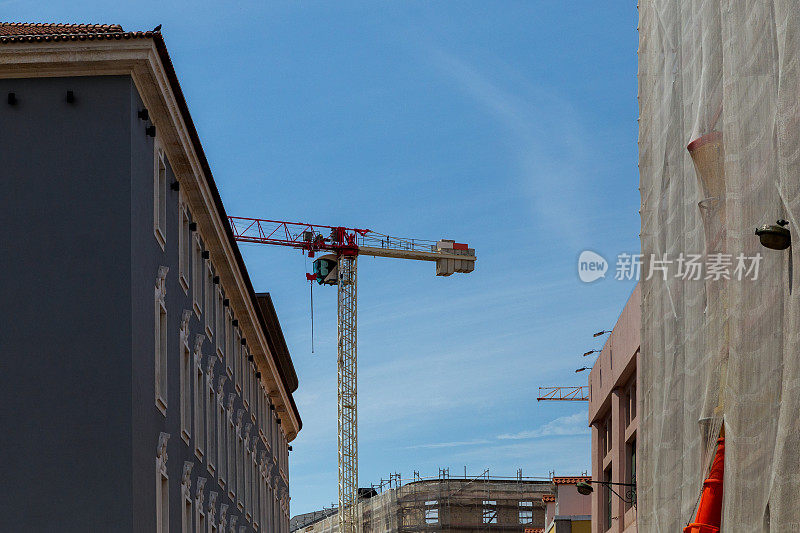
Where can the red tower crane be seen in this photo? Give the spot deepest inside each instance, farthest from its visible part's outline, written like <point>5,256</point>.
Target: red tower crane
<point>339,268</point>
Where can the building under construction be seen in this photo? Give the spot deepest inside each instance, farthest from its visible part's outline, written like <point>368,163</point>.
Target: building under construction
<point>445,503</point>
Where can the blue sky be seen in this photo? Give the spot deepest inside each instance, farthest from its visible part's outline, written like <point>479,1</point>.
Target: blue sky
<point>507,125</point>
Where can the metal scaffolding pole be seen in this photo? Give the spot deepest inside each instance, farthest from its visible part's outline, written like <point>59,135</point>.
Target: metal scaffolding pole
<point>347,398</point>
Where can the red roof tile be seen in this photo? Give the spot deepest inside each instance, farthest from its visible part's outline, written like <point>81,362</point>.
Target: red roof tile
<point>548,498</point>
<point>20,32</point>
<point>570,480</point>
<point>27,28</point>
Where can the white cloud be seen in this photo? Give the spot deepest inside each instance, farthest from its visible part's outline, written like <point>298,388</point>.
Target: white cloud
<point>565,425</point>
<point>455,444</point>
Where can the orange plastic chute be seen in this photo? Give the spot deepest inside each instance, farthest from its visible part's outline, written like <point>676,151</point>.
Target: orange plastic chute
<point>709,512</point>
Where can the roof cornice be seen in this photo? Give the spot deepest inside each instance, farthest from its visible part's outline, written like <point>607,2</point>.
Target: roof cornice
<point>144,57</point>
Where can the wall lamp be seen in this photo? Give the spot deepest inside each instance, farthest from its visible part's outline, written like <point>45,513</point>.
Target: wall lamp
<point>590,352</point>
<point>582,369</point>
<point>601,333</point>
<point>585,488</point>
<point>775,236</point>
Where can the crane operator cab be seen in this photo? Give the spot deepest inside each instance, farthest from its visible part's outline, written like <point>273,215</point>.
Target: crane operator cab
<point>326,268</point>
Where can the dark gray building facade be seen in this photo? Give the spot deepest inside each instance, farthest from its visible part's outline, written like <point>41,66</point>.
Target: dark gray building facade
<point>146,386</point>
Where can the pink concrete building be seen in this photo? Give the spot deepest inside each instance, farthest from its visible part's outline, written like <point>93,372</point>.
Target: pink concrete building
<point>566,510</point>
<point>614,421</point>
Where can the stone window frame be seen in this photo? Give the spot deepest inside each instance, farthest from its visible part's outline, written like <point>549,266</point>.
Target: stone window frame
<point>186,497</point>
<point>239,458</point>
<point>161,341</point>
<point>162,485</point>
<point>186,378</point>
<point>211,417</point>
<point>208,289</point>
<point>212,511</point>
<point>184,244</point>
<point>220,432</point>
<point>159,194</point>
<point>198,397</point>
<point>248,473</point>
<point>199,500</point>
<point>230,348</point>
<point>246,371</point>
<point>197,276</point>
<point>231,434</point>
<point>219,322</point>
<point>239,349</point>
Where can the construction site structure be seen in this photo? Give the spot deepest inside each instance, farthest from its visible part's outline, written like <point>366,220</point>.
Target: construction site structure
<point>340,268</point>
<point>443,503</point>
<point>564,394</point>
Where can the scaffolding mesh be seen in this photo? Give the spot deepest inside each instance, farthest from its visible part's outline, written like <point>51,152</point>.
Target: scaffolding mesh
<point>723,76</point>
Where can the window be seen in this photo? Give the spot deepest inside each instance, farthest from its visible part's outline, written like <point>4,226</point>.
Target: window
<point>160,197</point>
<point>199,500</point>
<point>239,363</point>
<point>211,414</point>
<point>609,500</point>
<point>184,247</point>
<point>162,485</point>
<point>186,518</point>
<point>186,379</point>
<point>231,465</point>
<point>197,277</point>
<point>607,435</point>
<point>432,512</point>
<point>489,511</point>
<point>631,471</point>
<point>186,497</point>
<point>248,476</point>
<point>161,341</point>
<point>221,439</point>
<point>199,403</point>
<point>246,371</point>
<point>239,462</point>
<point>220,323</point>
<point>209,302</point>
<point>526,512</point>
<point>229,348</point>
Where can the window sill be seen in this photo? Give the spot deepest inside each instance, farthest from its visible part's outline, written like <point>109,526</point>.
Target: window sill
<point>185,436</point>
<point>184,283</point>
<point>160,239</point>
<point>161,405</point>
<point>197,310</point>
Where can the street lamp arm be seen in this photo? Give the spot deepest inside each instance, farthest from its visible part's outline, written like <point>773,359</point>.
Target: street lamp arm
<point>630,494</point>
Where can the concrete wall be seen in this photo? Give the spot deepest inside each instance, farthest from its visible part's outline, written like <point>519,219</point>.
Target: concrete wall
<point>610,382</point>
<point>79,269</point>
<point>65,380</point>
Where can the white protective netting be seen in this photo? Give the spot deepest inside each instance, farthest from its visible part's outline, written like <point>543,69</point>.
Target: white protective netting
<point>726,72</point>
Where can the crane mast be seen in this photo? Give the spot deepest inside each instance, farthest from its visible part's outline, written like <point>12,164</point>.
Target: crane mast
<point>347,383</point>
<point>347,244</point>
